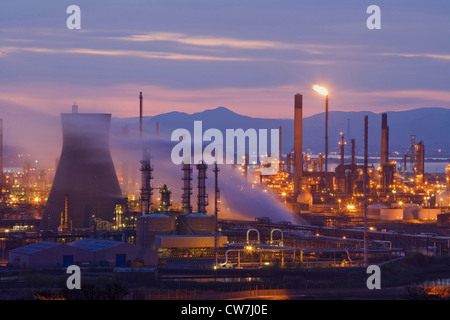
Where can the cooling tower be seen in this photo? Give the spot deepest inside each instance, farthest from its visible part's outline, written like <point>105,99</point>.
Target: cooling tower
<point>298,147</point>
<point>85,173</point>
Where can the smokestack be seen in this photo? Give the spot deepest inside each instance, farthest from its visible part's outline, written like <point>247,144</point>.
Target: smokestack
<point>353,152</point>
<point>342,143</point>
<point>420,158</point>
<point>280,167</point>
<point>165,199</point>
<point>216,209</point>
<point>74,108</point>
<point>157,128</point>
<point>140,113</point>
<point>146,188</point>
<point>245,166</point>
<point>365,182</point>
<point>66,208</point>
<point>384,141</point>
<point>187,188</point>
<point>202,196</point>
<point>288,164</point>
<point>298,147</point>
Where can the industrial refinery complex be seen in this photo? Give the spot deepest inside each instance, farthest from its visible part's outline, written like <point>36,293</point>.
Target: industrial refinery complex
<point>354,215</point>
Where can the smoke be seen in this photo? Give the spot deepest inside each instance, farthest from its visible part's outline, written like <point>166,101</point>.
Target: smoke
<point>240,199</point>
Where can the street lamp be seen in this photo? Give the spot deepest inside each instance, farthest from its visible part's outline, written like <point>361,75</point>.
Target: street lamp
<point>323,91</point>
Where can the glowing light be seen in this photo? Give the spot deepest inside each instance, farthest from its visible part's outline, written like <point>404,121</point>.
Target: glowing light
<point>320,90</point>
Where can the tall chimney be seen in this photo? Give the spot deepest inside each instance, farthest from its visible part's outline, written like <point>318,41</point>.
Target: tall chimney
<point>365,182</point>
<point>140,113</point>
<point>298,147</point>
<point>384,141</point>
<point>420,158</point>
<point>353,152</point>
<point>280,167</point>
<point>202,196</point>
<point>187,188</point>
<point>342,143</point>
<point>146,188</point>
<point>66,208</point>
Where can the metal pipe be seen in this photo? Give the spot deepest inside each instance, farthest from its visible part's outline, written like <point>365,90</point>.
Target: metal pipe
<point>248,232</point>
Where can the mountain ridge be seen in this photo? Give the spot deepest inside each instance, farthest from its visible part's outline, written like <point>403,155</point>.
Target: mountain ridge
<point>427,124</point>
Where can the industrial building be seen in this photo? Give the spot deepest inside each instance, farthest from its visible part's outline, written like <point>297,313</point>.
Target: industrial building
<point>84,252</point>
<point>167,228</point>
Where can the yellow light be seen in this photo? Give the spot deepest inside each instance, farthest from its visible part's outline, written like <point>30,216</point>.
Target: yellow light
<point>320,90</point>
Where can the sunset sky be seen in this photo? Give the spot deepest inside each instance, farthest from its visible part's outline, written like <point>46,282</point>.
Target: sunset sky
<point>250,56</point>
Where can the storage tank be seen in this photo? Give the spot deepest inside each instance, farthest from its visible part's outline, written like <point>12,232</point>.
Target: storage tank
<point>150,225</point>
<point>391,214</point>
<point>443,198</point>
<point>411,212</point>
<point>196,223</point>
<point>373,211</point>
<point>428,213</point>
<point>305,198</point>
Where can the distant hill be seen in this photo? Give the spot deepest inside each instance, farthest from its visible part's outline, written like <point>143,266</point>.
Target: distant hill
<point>431,125</point>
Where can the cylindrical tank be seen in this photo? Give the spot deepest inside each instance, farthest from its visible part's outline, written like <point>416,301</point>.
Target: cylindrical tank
<point>151,225</point>
<point>443,198</point>
<point>196,223</point>
<point>391,214</point>
<point>428,213</point>
<point>305,198</point>
<point>373,211</point>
